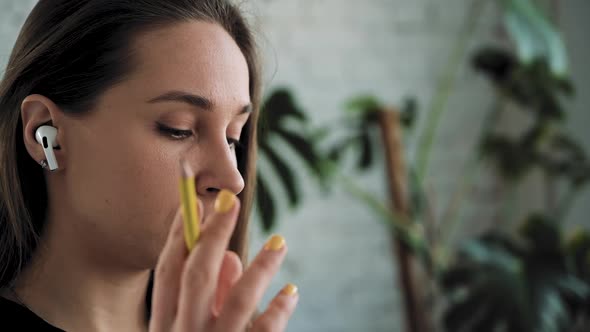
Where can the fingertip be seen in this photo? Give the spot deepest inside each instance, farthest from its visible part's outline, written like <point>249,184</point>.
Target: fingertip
<point>279,310</point>
<point>226,201</point>
<point>290,289</point>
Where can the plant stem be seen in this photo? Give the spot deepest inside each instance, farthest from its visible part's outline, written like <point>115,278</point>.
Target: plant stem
<point>389,217</point>
<point>451,219</point>
<point>445,87</point>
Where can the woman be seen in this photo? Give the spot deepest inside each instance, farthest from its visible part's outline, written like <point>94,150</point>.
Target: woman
<point>132,86</point>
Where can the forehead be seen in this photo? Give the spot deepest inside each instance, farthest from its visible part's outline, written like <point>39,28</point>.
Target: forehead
<point>198,57</point>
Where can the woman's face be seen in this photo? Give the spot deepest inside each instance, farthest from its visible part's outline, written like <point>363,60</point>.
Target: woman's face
<point>188,96</point>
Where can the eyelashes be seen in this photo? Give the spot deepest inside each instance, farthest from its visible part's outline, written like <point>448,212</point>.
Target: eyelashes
<point>181,134</point>
<point>174,133</point>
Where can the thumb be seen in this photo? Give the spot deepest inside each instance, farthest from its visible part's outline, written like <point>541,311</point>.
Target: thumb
<point>230,273</point>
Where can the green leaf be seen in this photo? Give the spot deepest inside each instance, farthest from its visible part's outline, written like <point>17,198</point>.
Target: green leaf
<point>363,104</point>
<point>304,149</point>
<point>521,282</point>
<point>535,36</point>
<point>265,204</point>
<point>512,158</point>
<point>285,174</point>
<point>490,296</point>
<point>409,112</point>
<point>541,233</point>
<point>462,313</point>
<point>497,63</point>
<point>527,42</point>
<point>481,253</point>
<point>278,107</point>
<point>573,288</point>
<point>366,151</point>
<point>551,314</point>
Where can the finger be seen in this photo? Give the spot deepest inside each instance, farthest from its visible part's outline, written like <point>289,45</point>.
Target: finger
<point>167,275</point>
<point>230,273</point>
<point>246,294</point>
<point>280,309</point>
<point>201,270</point>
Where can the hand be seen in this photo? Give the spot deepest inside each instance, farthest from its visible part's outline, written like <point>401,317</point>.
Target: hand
<point>206,291</point>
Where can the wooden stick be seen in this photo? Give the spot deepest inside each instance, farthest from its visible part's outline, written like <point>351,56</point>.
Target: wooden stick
<point>396,175</point>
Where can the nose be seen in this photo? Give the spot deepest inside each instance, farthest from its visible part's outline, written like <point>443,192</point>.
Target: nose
<point>218,170</point>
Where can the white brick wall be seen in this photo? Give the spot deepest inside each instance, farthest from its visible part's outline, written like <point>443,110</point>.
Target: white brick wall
<point>329,51</point>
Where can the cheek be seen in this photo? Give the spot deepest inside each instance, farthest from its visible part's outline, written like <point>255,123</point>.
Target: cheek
<point>125,189</point>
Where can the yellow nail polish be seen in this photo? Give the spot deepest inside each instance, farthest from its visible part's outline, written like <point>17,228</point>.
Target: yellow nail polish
<point>289,289</point>
<point>225,201</point>
<point>276,242</point>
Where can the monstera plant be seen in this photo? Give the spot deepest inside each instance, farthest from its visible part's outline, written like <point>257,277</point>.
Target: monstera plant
<point>534,280</point>
<point>281,119</point>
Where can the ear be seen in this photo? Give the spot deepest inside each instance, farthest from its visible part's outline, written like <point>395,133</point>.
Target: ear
<point>38,110</point>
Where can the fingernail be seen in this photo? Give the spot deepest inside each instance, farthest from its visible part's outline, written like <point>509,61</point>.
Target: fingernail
<point>275,243</point>
<point>225,201</point>
<point>289,289</point>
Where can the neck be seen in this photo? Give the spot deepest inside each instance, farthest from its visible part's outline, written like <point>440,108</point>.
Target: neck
<point>74,291</point>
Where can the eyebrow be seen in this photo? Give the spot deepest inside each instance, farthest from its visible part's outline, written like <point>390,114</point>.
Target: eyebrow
<point>193,100</point>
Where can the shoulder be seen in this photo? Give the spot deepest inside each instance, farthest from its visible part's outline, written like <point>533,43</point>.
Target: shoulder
<point>15,317</point>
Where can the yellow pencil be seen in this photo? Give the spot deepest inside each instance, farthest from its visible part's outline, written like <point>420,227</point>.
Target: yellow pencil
<point>188,197</point>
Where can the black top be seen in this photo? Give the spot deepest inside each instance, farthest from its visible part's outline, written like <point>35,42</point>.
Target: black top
<point>15,317</point>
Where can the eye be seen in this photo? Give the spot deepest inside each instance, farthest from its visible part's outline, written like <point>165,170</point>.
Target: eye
<point>180,134</point>
<point>174,133</point>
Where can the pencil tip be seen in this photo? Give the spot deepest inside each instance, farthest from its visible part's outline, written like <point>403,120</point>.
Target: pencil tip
<point>185,168</point>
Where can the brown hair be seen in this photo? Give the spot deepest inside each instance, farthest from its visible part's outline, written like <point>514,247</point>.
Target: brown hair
<point>71,51</point>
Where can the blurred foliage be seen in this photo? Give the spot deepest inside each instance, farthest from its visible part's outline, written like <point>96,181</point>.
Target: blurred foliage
<point>534,35</point>
<point>282,119</point>
<point>535,89</point>
<point>531,281</point>
<point>535,281</point>
<point>361,122</point>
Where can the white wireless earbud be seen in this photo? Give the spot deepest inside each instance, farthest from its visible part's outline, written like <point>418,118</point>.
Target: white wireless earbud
<point>46,136</point>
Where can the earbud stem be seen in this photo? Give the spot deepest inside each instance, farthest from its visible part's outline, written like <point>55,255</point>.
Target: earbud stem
<point>51,158</point>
